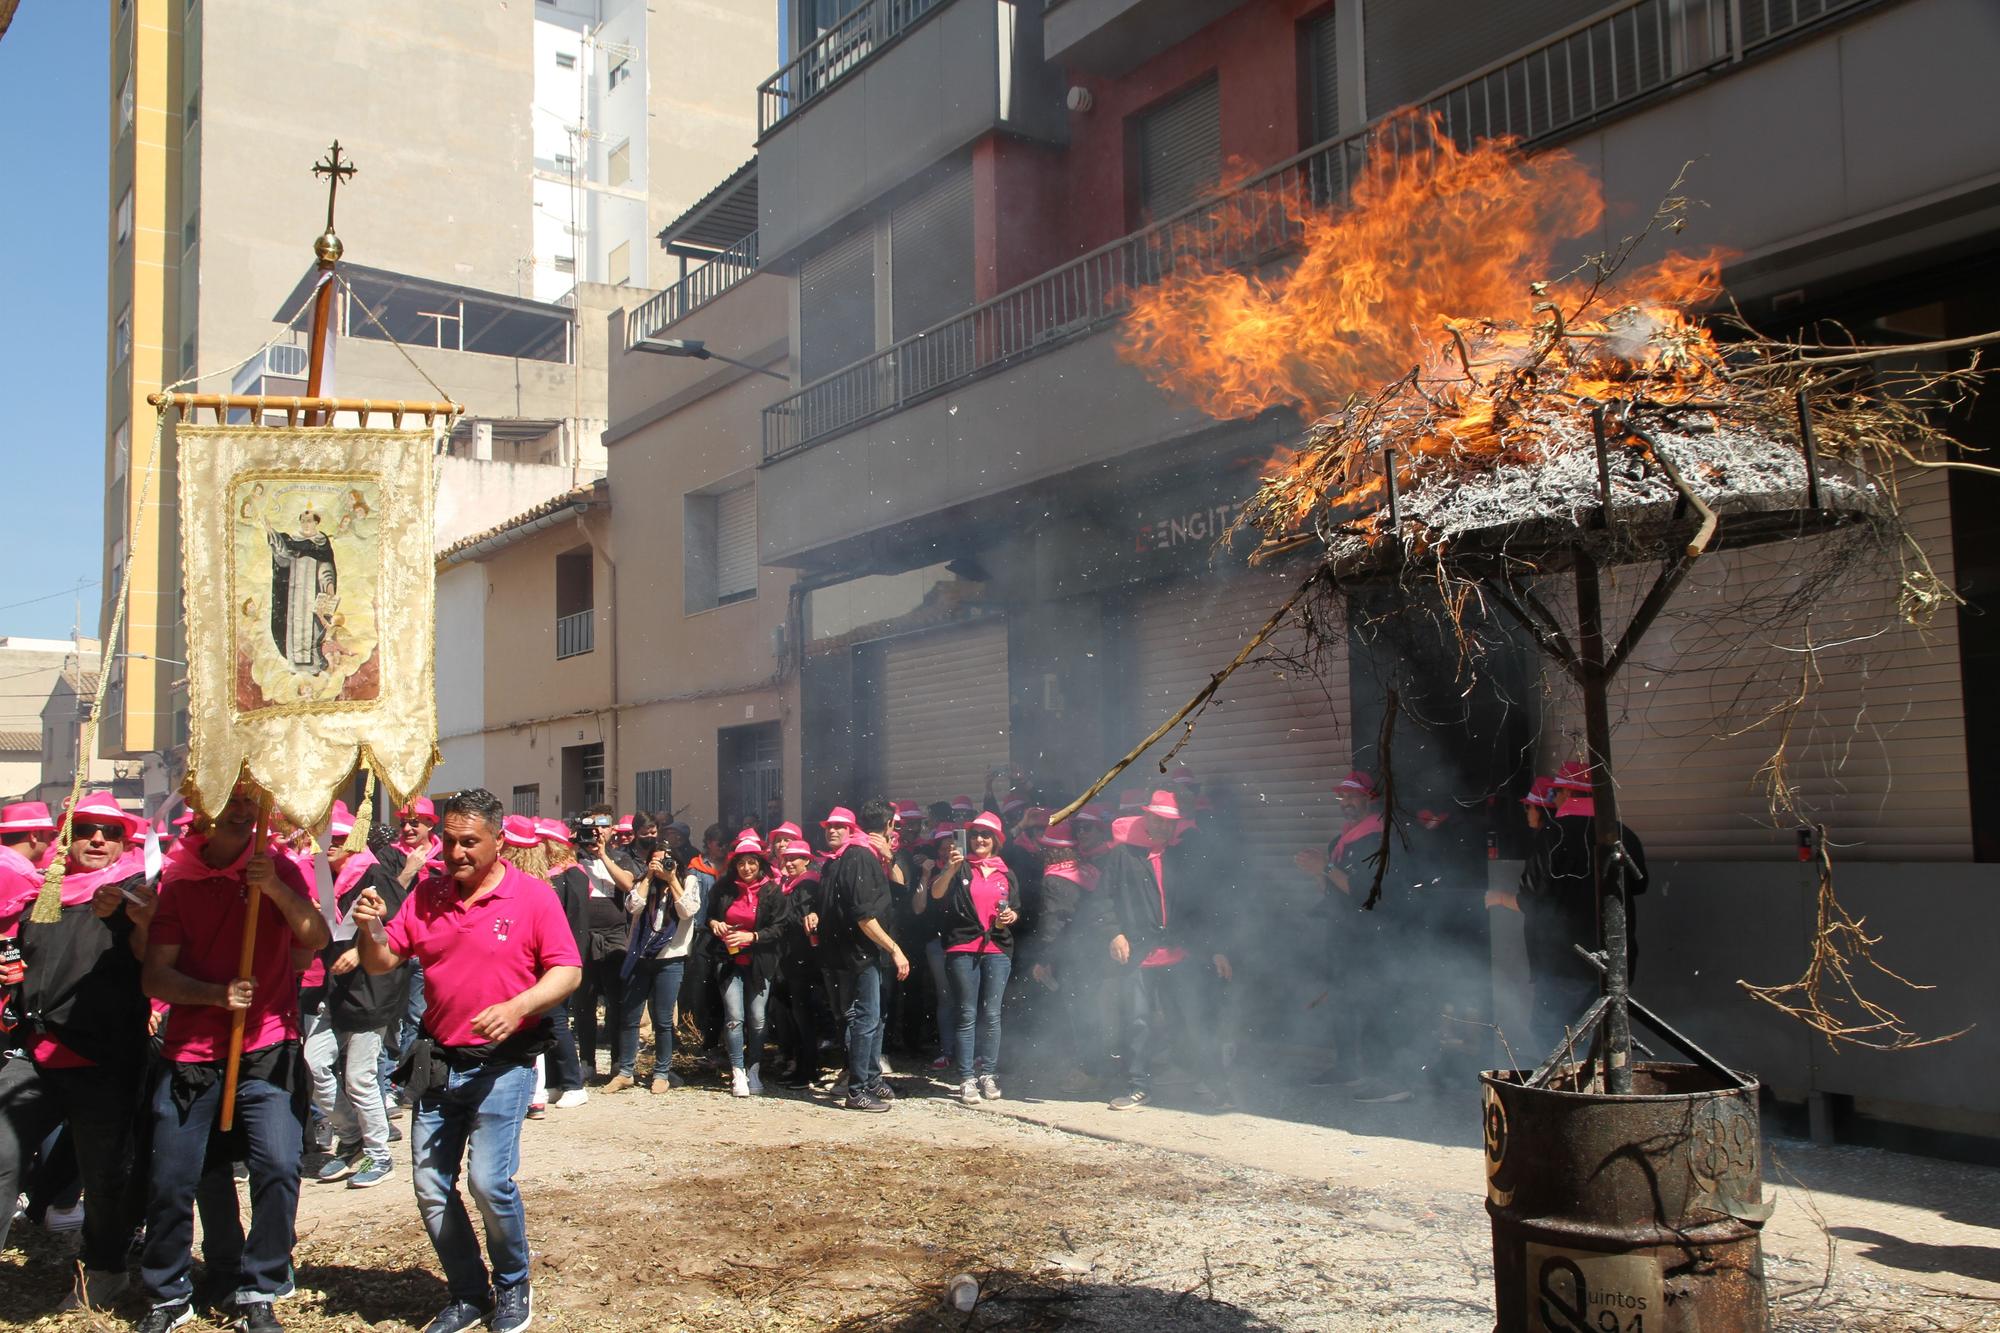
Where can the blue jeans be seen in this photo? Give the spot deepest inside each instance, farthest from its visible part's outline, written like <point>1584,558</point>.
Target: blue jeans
<point>947,1025</point>
<point>978,985</point>
<point>654,981</point>
<point>1156,1002</point>
<point>858,997</point>
<point>480,1110</point>
<point>744,1002</point>
<point>273,1124</point>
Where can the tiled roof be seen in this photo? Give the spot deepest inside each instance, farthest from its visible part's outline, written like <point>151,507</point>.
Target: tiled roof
<point>594,493</point>
<point>20,742</point>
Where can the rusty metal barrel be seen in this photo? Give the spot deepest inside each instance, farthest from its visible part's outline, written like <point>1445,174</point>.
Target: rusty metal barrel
<point>1626,1214</point>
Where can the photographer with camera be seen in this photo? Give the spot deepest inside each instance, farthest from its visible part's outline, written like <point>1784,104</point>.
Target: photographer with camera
<point>612,879</point>
<point>664,909</point>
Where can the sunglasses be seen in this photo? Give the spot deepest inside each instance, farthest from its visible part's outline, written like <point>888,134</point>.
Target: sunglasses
<point>84,832</point>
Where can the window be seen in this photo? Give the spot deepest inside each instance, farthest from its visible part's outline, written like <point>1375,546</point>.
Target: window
<point>618,264</point>
<point>1180,150</point>
<point>618,167</point>
<point>719,547</point>
<point>187,355</point>
<point>930,255</point>
<point>565,263</point>
<point>837,306</point>
<point>125,216</point>
<point>528,800</point>
<point>117,560</point>
<point>656,791</point>
<point>191,230</point>
<point>121,450</point>
<point>1320,52</point>
<point>576,603</point>
<point>565,164</point>
<point>620,71</point>
<point>583,776</point>
<point>121,337</point>
<point>565,60</point>
<point>127,104</point>
<point>192,115</point>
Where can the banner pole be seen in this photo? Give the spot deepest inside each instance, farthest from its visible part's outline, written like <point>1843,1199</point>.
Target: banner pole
<point>246,958</point>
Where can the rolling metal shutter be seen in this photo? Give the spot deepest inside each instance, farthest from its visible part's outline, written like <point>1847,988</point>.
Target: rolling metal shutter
<point>930,254</point>
<point>736,544</point>
<point>837,306</point>
<point>1878,750</point>
<point>1180,150</point>
<point>1278,738</point>
<point>1323,72</point>
<point>943,710</point>
<point>1415,47</point>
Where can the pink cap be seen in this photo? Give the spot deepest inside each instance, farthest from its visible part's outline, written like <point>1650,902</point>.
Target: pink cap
<point>839,817</point>
<point>102,805</point>
<point>1572,776</point>
<point>1356,780</point>
<point>519,831</point>
<point>624,825</point>
<point>420,808</point>
<point>988,822</point>
<point>26,817</point>
<point>1542,792</point>
<point>554,830</point>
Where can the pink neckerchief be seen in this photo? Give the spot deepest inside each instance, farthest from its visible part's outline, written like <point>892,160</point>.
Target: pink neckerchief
<point>748,889</point>
<point>1579,805</point>
<point>79,886</point>
<point>351,871</point>
<point>1366,826</point>
<point>985,865</point>
<point>787,886</point>
<point>184,862</point>
<point>1076,872</point>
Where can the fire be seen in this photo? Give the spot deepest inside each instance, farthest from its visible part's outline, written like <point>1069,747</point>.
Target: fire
<point>1432,282</point>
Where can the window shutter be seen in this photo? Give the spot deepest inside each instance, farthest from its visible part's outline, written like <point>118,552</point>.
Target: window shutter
<point>1180,150</point>
<point>736,544</point>
<point>930,255</point>
<point>837,306</point>
<point>1323,67</point>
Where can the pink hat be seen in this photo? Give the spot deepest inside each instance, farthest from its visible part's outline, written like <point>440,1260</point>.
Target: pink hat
<point>102,805</point>
<point>749,844</point>
<point>1090,814</point>
<point>554,830</point>
<point>624,825</point>
<point>988,822</point>
<point>519,831</point>
<point>1183,776</point>
<point>788,831</point>
<point>419,808</point>
<point>1356,780</point>
<point>839,817</point>
<point>1164,804</point>
<point>184,818</point>
<point>1572,776</point>
<point>1131,801</point>
<point>943,831</point>
<point>963,805</point>
<point>26,817</point>
<point>341,823</point>
<point>1013,805</point>
<point>909,810</point>
<point>1057,838</point>
<point>1542,792</point>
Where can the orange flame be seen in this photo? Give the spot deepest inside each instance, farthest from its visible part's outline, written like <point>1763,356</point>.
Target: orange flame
<point>1438,268</point>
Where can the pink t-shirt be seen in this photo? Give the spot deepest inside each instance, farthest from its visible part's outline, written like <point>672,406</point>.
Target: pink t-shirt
<point>989,881</point>
<point>201,910</point>
<point>480,955</point>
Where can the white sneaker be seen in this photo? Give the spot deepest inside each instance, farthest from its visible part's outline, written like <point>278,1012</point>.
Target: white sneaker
<point>739,1083</point>
<point>570,1100</point>
<point>989,1087</point>
<point>883,1061</point>
<point>968,1092</point>
<point>756,1083</point>
<point>100,1292</point>
<point>63,1219</point>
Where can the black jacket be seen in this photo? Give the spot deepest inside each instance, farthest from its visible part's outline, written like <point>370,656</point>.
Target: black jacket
<point>572,888</point>
<point>775,911</point>
<point>355,1001</point>
<point>1132,902</point>
<point>958,920</point>
<point>853,888</point>
<point>1566,914</point>
<point>82,985</point>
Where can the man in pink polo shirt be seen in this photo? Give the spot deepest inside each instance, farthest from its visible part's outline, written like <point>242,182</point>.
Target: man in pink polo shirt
<point>192,959</point>
<point>497,954</point>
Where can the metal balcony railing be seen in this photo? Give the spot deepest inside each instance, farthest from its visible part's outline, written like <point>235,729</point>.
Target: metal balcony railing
<point>1623,56</point>
<point>691,293</point>
<point>833,54</point>
<point>576,634</point>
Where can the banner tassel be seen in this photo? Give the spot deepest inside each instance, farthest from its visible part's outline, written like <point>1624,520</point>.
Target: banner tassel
<point>364,815</point>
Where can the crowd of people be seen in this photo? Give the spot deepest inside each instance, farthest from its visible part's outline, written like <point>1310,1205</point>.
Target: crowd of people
<point>469,970</point>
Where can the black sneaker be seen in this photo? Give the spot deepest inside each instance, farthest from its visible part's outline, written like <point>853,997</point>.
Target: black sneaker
<point>163,1317</point>
<point>865,1101</point>
<point>882,1092</point>
<point>395,1133</point>
<point>257,1317</point>
<point>800,1079</point>
<point>1131,1101</point>
<point>513,1308</point>
<point>457,1317</point>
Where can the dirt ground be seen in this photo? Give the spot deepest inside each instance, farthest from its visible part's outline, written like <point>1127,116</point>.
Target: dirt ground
<point>694,1210</point>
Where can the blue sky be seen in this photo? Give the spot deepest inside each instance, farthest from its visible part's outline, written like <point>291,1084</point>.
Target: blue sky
<point>53,121</point>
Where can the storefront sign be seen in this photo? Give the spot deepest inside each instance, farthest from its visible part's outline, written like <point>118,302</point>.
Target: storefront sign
<point>1198,527</point>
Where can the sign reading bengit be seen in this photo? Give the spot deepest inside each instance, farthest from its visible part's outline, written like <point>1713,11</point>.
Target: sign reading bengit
<point>1196,528</point>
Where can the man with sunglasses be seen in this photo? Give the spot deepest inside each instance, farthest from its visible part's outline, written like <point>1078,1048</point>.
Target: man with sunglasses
<point>192,964</point>
<point>84,1029</point>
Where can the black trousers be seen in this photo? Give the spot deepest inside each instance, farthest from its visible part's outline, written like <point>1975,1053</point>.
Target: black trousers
<point>601,982</point>
<point>100,1104</point>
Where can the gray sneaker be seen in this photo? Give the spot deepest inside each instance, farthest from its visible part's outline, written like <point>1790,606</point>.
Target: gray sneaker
<point>513,1308</point>
<point>374,1170</point>
<point>989,1087</point>
<point>343,1159</point>
<point>968,1092</point>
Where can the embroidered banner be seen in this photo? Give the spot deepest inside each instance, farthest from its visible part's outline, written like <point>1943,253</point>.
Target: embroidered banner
<point>307,587</point>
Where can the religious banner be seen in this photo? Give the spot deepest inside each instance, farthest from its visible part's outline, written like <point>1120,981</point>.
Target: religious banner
<point>307,585</point>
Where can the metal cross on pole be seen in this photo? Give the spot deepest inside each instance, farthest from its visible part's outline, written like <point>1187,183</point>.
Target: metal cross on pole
<point>328,249</point>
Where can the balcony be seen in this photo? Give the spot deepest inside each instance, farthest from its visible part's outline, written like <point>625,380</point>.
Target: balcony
<point>691,293</point>
<point>837,53</point>
<point>576,634</point>
<point>1624,58</point>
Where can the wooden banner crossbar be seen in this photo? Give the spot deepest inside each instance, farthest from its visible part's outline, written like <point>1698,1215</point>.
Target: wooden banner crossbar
<point>296,408</point>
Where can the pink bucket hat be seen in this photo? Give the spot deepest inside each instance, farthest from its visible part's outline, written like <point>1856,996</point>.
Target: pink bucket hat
<point>519,831</point>
<point>26,817</point>
<point>102,805</point>
<point>839,817</point>
<point>1164,804</point>
<point>553,830</point>
<point>420,808</point>
<point>988,822</point>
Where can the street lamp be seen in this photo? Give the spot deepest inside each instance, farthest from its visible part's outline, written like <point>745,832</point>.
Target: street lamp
<point>696,349</point>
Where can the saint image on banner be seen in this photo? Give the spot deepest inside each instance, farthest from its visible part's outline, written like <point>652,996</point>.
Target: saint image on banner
<point>306,564</point>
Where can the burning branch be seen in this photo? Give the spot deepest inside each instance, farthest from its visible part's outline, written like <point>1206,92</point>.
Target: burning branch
<point>1389,826</point>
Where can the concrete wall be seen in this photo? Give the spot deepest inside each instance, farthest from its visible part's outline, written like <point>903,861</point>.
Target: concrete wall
<point>461,676</point>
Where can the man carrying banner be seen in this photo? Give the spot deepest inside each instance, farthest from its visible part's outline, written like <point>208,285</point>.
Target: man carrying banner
<point>192,963</point>
<point>497,955</point>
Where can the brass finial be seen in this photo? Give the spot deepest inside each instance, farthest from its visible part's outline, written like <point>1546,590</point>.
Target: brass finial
<point>337,173</point>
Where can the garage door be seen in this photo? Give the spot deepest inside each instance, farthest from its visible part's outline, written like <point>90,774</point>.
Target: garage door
<point>943,711</point>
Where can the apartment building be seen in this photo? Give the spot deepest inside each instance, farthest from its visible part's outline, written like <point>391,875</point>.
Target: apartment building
<point>513,161</point>
<point>1000,533</point>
